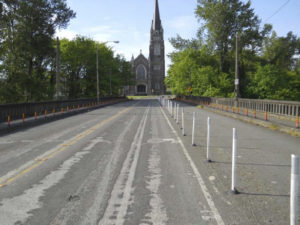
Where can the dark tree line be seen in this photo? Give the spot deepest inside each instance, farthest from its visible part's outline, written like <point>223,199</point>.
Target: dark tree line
<point>269,65</point>
<point>28,52</point>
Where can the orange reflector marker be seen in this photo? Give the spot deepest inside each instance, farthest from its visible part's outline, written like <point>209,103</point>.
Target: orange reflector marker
<point>247,112</point>
<point>8,120</point>
<point>297,121</point>
<point>254,113</point>
<point>35,115</point>
<point>266,115</point>
<point>23,117</point>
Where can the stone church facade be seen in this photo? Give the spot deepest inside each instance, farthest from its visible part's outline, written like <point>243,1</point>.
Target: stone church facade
<point>150,73</point>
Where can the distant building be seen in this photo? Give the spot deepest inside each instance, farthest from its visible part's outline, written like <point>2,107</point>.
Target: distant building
<point>150,73</point>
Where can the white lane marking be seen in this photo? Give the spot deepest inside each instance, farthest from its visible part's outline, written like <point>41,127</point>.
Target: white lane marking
<point>162,140</point>
<point>200,180</point>
<point>34,146</point>
<point>157,212</point>
<point>3,142</point>
<point>121,194</point>
<point>18,208</point>
<point>70,210</point>
<point>212,178</point>
<point>94,142</point>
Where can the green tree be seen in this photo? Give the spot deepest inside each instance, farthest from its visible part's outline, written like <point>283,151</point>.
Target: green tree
<point>78,69</point>
<point>28,28</point>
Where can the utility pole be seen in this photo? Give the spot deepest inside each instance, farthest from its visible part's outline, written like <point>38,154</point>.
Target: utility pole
<point>57,69</point>
<point>236,81</point>
<point>97,75</point>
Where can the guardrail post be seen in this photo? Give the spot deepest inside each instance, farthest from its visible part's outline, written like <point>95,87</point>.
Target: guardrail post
<point>193,129</point>
<point>294,190</point>
<point>208,141</point>
<point>233,177</point>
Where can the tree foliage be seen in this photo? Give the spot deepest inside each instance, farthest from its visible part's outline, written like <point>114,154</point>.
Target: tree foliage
<point>268,64</point>
<point>28,53</point>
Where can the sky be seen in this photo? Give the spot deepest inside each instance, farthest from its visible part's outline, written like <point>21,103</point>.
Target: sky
<point>129,21</point>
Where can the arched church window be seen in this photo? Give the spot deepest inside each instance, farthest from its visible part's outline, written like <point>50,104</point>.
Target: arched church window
<point>141,72</point>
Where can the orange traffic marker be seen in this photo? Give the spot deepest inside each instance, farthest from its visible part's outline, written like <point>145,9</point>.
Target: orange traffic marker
<point>297,121</point>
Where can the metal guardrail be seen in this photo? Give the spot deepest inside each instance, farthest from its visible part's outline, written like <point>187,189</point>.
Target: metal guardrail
<point>17,111</point>
<point>286,108</point>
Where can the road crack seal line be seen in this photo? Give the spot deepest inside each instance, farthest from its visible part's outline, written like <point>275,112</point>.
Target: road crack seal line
<point>26,168</point>
<point>121,194</point>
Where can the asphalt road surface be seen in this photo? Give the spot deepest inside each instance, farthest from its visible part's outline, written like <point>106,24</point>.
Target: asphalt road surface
<point>128,164</point>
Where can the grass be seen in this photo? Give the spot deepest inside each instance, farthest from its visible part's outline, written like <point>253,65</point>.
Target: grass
<point>273,126</point>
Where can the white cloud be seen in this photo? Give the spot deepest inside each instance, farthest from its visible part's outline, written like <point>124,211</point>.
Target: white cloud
<point>69,34</point>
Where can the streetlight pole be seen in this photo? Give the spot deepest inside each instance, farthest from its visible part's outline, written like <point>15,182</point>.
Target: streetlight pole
<point>97,73</point>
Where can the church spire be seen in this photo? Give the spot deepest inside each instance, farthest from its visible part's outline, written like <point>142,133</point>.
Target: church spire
<point>156,23</point>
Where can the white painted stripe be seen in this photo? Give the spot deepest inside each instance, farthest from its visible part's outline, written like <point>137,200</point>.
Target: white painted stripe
<point>200,180</point>
<point>117,207</point>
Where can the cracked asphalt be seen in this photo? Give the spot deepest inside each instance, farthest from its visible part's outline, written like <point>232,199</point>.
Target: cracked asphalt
<point>129,164</point>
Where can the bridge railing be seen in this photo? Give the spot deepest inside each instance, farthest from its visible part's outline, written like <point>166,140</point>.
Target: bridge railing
<point>17,111</point>
<point>286,108</point>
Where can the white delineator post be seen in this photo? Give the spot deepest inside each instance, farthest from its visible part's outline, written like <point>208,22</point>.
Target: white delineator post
<point>182,121</point>
<point>175,107</point>
<point>233,177</point>
<point>294,190</point>
<point>177,121</point>
<point>208,140</point>
<point>193,129</point>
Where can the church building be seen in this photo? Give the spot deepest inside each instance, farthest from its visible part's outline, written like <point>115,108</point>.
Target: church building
<point>150,73</point>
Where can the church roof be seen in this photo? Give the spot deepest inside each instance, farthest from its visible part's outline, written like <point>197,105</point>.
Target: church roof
<point>156,22</point>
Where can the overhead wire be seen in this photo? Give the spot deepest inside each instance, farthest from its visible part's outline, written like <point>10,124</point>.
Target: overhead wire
<point>277,11</point>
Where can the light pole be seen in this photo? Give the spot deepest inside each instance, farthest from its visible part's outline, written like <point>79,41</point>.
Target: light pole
<point>97,73</point>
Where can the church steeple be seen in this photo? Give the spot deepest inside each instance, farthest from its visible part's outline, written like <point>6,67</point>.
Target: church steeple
<point>156,22</point>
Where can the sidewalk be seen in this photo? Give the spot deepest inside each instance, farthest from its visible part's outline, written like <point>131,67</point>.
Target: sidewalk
<point>263,167</point>
<point>280,123</point>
